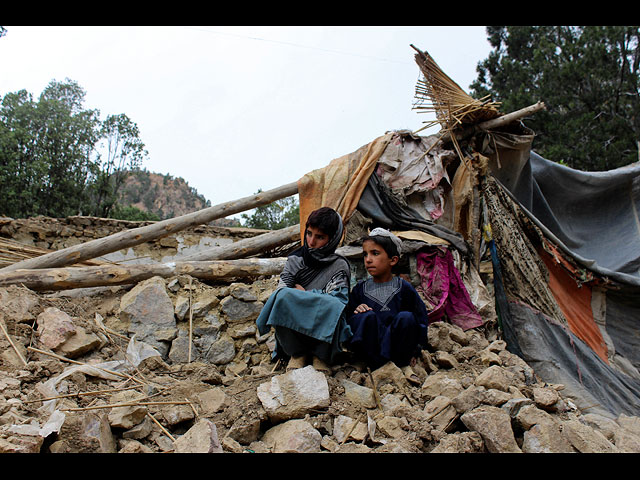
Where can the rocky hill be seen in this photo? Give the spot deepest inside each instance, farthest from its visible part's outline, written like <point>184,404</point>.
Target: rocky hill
<point>163,195</point>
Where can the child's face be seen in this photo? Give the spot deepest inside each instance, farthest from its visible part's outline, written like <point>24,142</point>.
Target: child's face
<point>316,238</point>
<point>376,260</point>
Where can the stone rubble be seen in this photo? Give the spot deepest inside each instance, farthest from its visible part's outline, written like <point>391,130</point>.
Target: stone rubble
<point>198,378</point>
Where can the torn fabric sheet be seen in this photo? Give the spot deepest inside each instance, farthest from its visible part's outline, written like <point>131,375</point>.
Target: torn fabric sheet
<point>443,291</point>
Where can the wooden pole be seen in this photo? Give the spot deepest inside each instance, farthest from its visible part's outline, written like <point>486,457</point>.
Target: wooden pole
<point>136,236</point>
<point>248,246</point>
<point>106,275</point>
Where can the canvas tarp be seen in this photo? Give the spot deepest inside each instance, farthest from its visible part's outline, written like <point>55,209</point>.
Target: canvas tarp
<point>583,227</point>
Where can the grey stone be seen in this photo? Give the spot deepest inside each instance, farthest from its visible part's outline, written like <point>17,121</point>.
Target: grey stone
<point>242,292</point>
<point>150,313</point>
<point>181,308</point>
<point>218,351</point>
<point>294,394</point>
<point>240,311</point>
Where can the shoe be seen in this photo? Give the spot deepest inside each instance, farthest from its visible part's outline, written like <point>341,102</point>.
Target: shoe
<point>320,365</point>
<point>296,362</point>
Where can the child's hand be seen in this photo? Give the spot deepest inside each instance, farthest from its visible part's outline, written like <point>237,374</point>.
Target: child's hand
<point>300,287</point>
<point>363,307</point>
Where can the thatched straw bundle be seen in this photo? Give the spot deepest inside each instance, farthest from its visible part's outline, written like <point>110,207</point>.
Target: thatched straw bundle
<point>453,107</point>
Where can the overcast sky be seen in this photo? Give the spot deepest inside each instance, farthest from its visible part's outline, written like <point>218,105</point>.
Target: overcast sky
<point>233,109</point>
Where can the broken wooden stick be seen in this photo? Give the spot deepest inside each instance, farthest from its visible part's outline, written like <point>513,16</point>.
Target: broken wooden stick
<point>107,275</point>
<point>136,236</point>
<point>15,348</point>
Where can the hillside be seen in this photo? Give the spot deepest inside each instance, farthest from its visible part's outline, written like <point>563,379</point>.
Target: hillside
<point>163,195</point>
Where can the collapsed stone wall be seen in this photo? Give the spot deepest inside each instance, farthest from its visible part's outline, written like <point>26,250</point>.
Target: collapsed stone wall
<point>210,384</point>
<point>53,234</point>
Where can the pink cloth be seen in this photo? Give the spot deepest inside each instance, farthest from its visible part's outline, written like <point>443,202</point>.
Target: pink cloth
<point>442,287</point>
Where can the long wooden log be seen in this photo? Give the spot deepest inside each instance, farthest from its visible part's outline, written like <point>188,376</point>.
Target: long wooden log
<point>497,122</point>
<point>107,275</point>
<point>136,236</point>
<point>248,246</point>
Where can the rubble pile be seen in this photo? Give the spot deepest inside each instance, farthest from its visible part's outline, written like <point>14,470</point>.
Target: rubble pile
<point>177,365</point>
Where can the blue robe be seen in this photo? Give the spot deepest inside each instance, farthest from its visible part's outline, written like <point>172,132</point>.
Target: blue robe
<point>396,327</point>
<point>310,322</point>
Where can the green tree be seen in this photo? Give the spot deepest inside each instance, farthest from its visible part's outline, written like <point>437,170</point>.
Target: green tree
<point>132,213</point>
<point>588,77</point>
<point>45,151</point>
<point>58,158</point>
<point>123,152</point>
<point>279,214</point>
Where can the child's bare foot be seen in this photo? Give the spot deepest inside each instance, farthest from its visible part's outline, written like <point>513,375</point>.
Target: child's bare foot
<point>320,365</point>
<point>296,362</point>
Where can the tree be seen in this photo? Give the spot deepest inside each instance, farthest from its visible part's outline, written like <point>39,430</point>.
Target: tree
<point>66,137</point>
<point>279,214</point>
<point>124,152</point>
<point>51,160</point>
<point>588,77</point>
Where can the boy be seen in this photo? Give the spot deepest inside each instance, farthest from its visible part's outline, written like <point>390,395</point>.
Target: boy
<point>307,310</point>
<point>387,317</point>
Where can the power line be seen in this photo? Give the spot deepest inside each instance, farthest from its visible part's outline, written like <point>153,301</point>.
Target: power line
<point>297,45</point>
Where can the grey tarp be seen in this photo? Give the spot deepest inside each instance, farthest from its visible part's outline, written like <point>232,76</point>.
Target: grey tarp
<point>593,217</point>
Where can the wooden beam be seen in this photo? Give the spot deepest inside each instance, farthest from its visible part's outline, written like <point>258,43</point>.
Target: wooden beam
<point>107,275</point>
<point>248,246</point>
<point>136,236</point>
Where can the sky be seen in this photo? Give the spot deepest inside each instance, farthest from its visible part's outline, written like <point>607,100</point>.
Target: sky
<point>235,109</point>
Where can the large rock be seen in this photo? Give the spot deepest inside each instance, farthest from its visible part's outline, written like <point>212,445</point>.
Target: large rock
<point>495,377</point>
<point>58,332</point>
<point>150,313</point>
<point>349,429</point>
<point>79,343</point>
<point>293,436</point>
<point>545,437</point>
<point>239,310</point>
<point>54,327</point>
<point>201,438</point>
<point>359,394</point>
<point>441,383</point>
<point>294,394</point>
<point>441,412</point>
<point>494,424</point>
<point>585,439</point>
<point>215,349</point>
